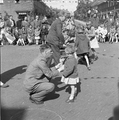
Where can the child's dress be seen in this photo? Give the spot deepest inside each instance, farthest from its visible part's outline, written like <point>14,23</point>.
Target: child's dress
<point>37,35</point>
<point>70,73</point>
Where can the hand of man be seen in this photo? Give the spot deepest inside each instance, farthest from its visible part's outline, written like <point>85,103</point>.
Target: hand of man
<point>61,68</point>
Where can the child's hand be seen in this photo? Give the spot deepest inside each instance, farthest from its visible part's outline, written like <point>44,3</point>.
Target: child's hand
<point>62,60</point>
<point>62,79</point>
<point>61,68</point>
<point>58,66</point>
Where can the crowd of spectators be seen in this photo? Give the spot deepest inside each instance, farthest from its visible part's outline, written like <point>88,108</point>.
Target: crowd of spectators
<point>23,32</point>
<point>107,30</point>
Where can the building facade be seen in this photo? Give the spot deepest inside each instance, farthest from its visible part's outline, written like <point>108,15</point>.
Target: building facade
<point>106,5</point>
<point>22,8</point>
<point>107,9</point>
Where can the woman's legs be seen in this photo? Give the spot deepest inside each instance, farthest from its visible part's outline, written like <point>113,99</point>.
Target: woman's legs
<point>87,61</point>
<point>95,54</point>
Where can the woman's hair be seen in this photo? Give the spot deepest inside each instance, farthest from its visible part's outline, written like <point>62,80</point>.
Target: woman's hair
<point>44,47</point>
<point>70,48</point>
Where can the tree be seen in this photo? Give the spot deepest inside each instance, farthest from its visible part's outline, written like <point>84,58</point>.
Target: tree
<point>82,10</point>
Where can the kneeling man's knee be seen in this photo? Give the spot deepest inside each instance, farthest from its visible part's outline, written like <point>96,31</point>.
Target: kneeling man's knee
<point>50,87</point>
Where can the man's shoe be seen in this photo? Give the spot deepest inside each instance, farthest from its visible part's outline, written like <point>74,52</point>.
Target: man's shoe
<point>4,86</point>
<point>89,68</point>
<point>36,102</point>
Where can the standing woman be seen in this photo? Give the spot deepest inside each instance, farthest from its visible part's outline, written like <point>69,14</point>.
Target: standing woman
<point>82,44</point>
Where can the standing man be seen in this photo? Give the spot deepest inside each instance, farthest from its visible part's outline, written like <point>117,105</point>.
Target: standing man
<point>36,23</point>
<point>38,75</point>
<point>19,23</point>
<point>55,37</point>
<point>95,21</point>
<point>25,23</point>
<point>11,24</point>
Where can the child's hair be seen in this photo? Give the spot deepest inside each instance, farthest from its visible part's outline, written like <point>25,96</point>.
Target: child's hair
<point>70,49</point>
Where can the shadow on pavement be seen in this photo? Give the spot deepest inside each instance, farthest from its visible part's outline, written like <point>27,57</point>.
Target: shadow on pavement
<point>51,96</point>
<point>99,78</point>
<point>9,113</point>
<point>115,113</point>
<point>82,61</point>
<point>6,76</point>
<point>57,82</point>
<point>111,118</point>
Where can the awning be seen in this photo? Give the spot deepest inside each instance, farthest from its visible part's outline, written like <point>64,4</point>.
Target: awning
<point>22,12</point>
<point>97,2</point>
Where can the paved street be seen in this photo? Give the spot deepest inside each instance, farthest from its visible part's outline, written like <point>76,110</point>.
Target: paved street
<point>98,92</point>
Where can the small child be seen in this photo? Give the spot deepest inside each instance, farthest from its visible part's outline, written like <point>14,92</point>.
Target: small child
<point>117,35</point>
<point>20,41</point>
<point>37,35</point>
<point>30,35</point>
<point>44,33</point>
<point>112,34</point>
<point>70,72</point>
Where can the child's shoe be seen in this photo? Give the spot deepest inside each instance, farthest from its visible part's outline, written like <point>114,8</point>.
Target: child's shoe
<point>70,101</point>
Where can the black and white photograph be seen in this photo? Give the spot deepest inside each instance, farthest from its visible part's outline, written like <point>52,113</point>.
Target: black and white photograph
<point>59,59</point>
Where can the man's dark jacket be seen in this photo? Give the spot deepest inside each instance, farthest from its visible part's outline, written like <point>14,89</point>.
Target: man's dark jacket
<point>55,35</point>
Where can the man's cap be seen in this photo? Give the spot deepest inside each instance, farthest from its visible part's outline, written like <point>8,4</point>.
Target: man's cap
<point>61,13</point>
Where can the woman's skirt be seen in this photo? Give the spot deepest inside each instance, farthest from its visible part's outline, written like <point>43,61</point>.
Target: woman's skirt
<point>94,43</point>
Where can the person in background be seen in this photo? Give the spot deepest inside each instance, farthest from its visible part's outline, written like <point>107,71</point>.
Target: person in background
<point>30,35</point>
<point>36,23</point>
<point>82,44</point>
<point>1,30</point>
<point>10,23</point>
<point>117,35</point>
<point>94,20</point>
<point>19,23</point>
<point>112,34</point>
<point>38,75</point>
<point>44,32</point>
<point>25,23</point>
<point>55,38</point>
<point>37,35</point>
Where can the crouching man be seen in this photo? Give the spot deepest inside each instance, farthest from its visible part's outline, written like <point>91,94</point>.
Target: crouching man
<point>38,76</point>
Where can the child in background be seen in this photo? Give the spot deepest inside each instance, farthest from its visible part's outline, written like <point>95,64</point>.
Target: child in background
<point>20,41</point>
<point>37,35</point>
<point>30,35</point>
<point>117,35</point>
<point>44,33</point>
<point>112,34</point>
<point>70,72</point>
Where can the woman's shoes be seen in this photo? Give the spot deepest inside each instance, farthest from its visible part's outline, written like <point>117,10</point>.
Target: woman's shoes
<point>88,68</point>
<point>36,102</point>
